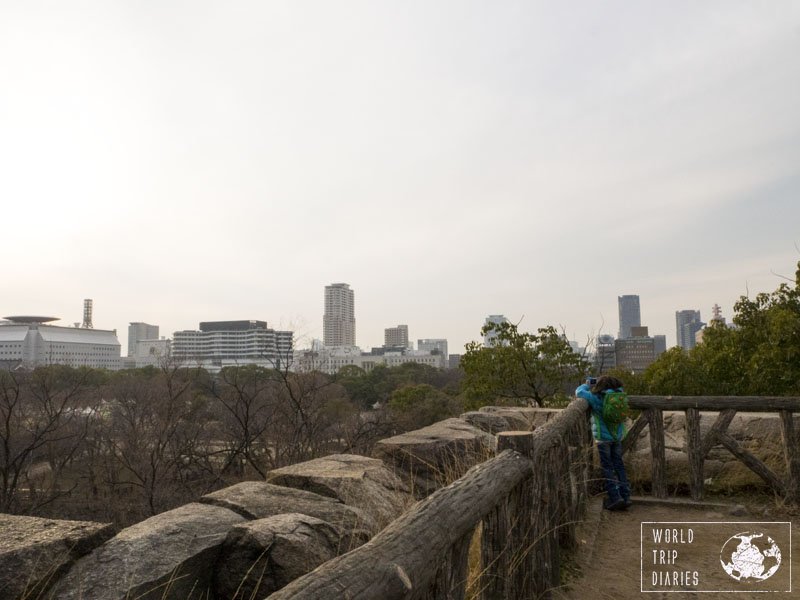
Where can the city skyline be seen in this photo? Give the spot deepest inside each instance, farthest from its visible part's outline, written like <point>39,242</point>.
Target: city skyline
<point>182,164</point>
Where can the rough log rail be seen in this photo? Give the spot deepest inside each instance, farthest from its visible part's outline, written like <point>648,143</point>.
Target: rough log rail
<point>525,502</point>
<point>697,447</point>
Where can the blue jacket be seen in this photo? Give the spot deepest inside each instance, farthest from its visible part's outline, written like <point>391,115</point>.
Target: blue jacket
<point>599,427</point>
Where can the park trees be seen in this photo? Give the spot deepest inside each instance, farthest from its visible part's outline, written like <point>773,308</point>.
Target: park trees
<point>760,355</point>
<point>520,367</point>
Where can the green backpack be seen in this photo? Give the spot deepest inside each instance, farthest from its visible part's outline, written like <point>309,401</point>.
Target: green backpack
<point>616,410</point>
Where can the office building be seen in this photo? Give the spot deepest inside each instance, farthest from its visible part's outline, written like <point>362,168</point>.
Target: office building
<point>396,337</point>
<point>32,341</point>
<point>339,321</point>
<point>687,324</point>
<point>659,345</point>
<point>434,346</point>
<point>140,331</point>
<point>605,357</point>
<point>636,352</point>
<point>151,353</point>
<point>489,338</point>
<point>220,344</point>
<point>629,314</point>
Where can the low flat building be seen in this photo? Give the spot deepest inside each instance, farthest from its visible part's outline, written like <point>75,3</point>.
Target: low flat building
<point>220,344</point>
<point>35,342</point>
<point>331,360</point>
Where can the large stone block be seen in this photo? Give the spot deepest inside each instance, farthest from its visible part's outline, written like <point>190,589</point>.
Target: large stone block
<point>263,556</point>
<point>34,552</point>
<point>168,556</point>
<point>358,481</point>
<point>259,500</point>
<point>437,455</point>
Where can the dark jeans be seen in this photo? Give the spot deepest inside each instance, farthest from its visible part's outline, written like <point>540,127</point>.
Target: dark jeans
<point>617,485</point>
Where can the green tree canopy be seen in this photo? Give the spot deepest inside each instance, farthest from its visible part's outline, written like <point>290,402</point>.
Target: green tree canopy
<point>760,355</point>
<point>520,367</point>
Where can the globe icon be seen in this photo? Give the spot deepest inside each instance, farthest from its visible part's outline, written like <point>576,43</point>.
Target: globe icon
<point>750,556</point>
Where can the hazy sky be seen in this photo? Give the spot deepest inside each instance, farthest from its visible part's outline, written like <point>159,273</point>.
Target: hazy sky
<point>188,161</point>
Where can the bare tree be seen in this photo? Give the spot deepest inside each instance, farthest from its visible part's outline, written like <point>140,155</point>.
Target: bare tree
<point>44,416</point>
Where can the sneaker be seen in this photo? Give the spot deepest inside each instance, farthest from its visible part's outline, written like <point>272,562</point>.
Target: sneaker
<point>627,503</point>
<point>617,504</point>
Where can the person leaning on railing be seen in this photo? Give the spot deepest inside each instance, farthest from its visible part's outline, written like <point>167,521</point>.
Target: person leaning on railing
<point>609,442</point>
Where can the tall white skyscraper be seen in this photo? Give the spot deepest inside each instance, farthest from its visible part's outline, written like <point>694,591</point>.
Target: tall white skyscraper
<point>339,320</point>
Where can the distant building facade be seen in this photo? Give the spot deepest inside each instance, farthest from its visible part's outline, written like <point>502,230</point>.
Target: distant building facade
<point>396,337</point>
<point>630,314</point>
<point>331,360</point>
<point>490,338</point>
<point>220,344</point>
<point>140,331</point>
<point>687,324</point>
<point>152,353</point>
<point>433,345</point>
<point>339,321</point>
<point>637,352</point>
<point>605,357</point>
<point>659,345</point>
<point>31,341</point>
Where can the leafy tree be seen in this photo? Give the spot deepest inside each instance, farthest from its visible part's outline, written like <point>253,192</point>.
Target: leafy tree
<point>415,406</point>
<point>759,356</point>
<point>520,367</point>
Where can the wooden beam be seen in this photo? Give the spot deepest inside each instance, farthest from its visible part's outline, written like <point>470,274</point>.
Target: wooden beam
<point>402,560</point>
<point>741,403</point>
<point>720,426</point>
<point>752,463</point>
<point>635,430</point>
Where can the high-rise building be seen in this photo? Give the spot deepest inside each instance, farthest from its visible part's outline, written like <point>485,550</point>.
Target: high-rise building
<point>221,344</point>
<point>629,314</point>
<point>636,352</point>
<point>396,337</point>
<point>339,321</point>
<point>138,332</point>
<point>659,345</point>
<point>687,324</point>
<point>490,336</point>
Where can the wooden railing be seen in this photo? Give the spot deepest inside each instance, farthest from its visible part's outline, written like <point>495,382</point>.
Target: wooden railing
<point>698,447</point>
<point>524,503</point>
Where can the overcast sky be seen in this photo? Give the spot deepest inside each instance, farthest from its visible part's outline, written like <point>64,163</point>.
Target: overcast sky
<point>188,161</point>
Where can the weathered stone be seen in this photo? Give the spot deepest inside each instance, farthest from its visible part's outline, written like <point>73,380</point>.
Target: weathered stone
<point>34,552</point>
<point>258,500</point>
<point>169,556</point>
<point>359,481</point>
<point>488,422</point>
<point>520,418</point>
<point>262,556</point>
<point>434,456</point>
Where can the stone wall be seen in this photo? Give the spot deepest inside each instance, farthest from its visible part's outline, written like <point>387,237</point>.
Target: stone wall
<point>252,538</point>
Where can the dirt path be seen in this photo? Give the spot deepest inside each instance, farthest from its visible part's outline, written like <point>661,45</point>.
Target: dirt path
<point>612,567</point>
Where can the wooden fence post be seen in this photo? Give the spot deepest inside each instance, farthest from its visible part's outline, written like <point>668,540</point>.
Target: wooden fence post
<point>792,455</point>
<point>694,450</point>
<point>655,417</point>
